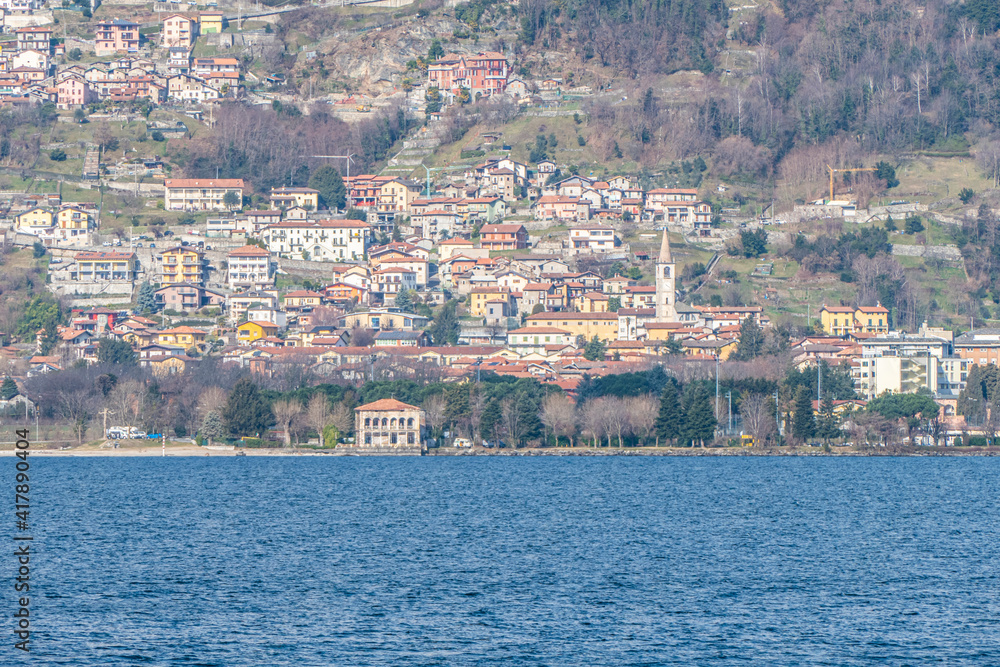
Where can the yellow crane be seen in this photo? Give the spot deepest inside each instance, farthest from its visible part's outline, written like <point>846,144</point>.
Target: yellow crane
<point>831,170</point>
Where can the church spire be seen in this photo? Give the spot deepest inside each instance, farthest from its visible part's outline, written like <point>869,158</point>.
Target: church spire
<point>665,257</point>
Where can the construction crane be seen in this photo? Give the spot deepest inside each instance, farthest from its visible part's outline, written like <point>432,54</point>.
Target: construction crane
<point>831,170</point>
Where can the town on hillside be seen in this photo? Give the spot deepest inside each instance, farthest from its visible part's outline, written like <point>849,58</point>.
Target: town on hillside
<point>264,224</point>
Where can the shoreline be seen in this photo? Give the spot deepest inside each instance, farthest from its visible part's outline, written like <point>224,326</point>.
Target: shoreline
<point>188,450</point>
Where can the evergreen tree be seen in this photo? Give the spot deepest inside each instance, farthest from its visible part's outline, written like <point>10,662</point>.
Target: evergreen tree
<point>445,328</point>
<point>594,350</point>
<point>40,312</point>
<point>527,408</point>
<point>50,338</point>
<point>332,192</point>
<point>246,412</point>
<point>145,301</point>
<point>751,343</point>
<point>457,409</point>
<point>803,422</point>
<point>614,304</point>
<point>699,418</point>
<point>212,426</point>
<point>828,426</point>
<point>490,422</point>
<point>404,300</point>
<point>8,389</point>
<point>670,419</point>
<point>111,351</point>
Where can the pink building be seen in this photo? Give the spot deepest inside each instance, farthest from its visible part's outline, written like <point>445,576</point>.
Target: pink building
<point>116,36</point>
<point>483,74</point>
<point>74,92</point>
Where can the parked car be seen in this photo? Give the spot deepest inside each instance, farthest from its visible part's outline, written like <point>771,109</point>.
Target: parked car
<point>463,443</point>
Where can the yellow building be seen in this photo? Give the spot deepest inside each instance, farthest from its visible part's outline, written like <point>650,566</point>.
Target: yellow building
<point>73,218</point>
<point>592,302</point>
<point>841,321</point>
<point>709,348</point>
<point>182,264</point>
<point>170,365</point>
<point>303,299</point>
<point>307,198</point>
<point>396,195</point>
<point>104,267</point>
<point>871,319</point>
<point>251,331</point>
<point>182,336</point>
<point>588,325</point>
<point>209,22</point>
<point>837,320</point>
<point>481,296</point>
<point>34,219</point>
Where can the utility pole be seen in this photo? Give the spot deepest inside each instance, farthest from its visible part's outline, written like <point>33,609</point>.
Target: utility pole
<point>819,383</point>
<point>106,412</point>
<point>777,416</point>
<point>730,395</point>
<point>716,386</point>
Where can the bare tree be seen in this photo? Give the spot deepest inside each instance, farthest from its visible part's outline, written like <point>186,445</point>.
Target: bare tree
<point>129,400</point>
<point>434,409</point>
<point>988,158</point>
<point>285,411</point>
<point>559,416</point>
<point>78,407</point>
<point>211,399</point>
<point>642,412</point>
<point>593,420</point>
<point>342,417</point>
<point>318,414</point>
<point>758,417</point>
<point>616,418</point>
<point>512,421</point>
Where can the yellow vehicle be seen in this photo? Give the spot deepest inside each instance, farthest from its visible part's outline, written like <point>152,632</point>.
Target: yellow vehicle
<point>746,440</point>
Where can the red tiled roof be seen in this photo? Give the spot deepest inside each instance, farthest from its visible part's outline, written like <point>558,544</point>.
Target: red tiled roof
<point>250,251</point>
<point>204,183</point>
<point>387,405</point>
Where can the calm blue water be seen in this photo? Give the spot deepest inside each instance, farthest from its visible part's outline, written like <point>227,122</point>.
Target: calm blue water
<point>488,561</point>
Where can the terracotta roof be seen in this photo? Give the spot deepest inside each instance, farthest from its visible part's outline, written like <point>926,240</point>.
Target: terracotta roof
<point>103,255</point>
<point>204,183</point>
<point>250,251</point>
<point>387,405</point>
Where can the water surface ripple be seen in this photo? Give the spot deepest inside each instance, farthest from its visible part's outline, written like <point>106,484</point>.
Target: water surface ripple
<point>526,561</point>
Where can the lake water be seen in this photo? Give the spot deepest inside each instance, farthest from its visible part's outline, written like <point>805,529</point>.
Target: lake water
<point>513,561</point>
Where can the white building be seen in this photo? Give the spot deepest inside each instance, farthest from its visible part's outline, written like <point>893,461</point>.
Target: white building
<point>250,267</point>
<point>200,194</point>
<point>390,282</point>
<point>592,238</point>
<point>318,240</point>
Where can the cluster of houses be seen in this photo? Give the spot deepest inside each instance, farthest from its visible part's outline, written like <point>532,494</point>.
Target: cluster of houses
<point>28,74</point>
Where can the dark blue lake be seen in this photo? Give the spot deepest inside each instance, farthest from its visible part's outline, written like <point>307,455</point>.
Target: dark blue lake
<point>504,561</point>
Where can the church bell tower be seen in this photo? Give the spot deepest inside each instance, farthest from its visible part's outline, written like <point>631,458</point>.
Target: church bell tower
<point>666,293</point>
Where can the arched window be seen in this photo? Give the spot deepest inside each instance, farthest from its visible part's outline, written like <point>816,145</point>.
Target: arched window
<point>385,422</point>
<point>409,422</point>
<point>666,272</point>
<point>392,423</point>
<point>368,421</point>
